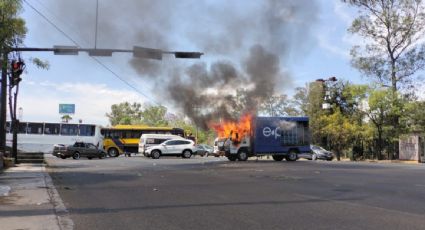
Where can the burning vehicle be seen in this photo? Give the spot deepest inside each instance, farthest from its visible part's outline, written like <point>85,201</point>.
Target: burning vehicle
<point>281,137</point>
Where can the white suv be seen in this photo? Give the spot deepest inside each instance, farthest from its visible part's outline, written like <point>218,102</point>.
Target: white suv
<point>180,147</point>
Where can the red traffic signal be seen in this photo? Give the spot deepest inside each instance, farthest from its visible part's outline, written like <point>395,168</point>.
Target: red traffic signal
<point>17,69</point>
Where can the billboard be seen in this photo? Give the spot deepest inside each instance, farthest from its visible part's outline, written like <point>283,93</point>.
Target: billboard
<point>66,108</point>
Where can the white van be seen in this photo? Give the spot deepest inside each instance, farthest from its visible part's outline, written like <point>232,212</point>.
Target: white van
<point>148,140</point>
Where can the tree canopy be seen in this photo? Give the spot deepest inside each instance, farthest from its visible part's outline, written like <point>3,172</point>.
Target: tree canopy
<point>393,32</point>
<point>12,27</point>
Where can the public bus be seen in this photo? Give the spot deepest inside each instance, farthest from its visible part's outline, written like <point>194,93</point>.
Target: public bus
<point>42,136</point>
<point>124,139</point>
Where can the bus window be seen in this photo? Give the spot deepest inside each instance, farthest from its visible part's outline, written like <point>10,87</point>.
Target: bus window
<point>51,129</point>
<point>105,133</point>
<point>136,134</point>
<point>125,134</point>
<point>69,129</point>
<point>35,128</point>
<point>115,134</point>
<point>22,128</point>
<point>178,132</point>
<point>87,130</point>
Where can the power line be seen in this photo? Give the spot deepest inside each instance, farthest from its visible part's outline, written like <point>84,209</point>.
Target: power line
<point>95,59</point>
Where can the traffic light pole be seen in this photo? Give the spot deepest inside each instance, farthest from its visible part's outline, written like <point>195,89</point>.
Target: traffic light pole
<point>3,101</point>
<point>139,52</point>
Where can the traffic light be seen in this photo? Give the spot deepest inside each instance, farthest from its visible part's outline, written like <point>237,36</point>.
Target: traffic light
<point>17,69</point>
<point>188,54</point>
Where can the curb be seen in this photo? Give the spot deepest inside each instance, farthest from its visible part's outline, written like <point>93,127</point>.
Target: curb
<point>62,214</point>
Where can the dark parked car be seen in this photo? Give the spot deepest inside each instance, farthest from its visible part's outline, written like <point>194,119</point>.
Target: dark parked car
<point>77,150</point>
<point>318,152</point>
<point>204,150</point>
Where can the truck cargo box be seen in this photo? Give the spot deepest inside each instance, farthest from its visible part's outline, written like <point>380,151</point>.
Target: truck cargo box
<point>274,135</point>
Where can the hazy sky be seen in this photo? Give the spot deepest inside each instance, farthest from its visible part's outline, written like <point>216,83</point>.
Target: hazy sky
<point>307,39</point>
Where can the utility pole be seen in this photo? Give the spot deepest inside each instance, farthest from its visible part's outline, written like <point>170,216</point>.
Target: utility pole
<point>3,102</point>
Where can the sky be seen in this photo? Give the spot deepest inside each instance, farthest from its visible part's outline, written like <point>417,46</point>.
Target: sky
<point>311,42</point>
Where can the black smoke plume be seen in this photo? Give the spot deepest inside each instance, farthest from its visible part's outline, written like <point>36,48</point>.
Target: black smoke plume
<point>246,44</point>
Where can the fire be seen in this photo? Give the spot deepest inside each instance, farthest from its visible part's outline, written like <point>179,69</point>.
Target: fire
<point>235,130</point>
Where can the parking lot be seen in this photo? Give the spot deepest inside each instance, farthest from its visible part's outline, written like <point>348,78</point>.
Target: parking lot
<point>213,193</point>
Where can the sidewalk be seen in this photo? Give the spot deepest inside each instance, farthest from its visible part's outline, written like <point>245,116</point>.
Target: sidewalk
<point>28,200</point>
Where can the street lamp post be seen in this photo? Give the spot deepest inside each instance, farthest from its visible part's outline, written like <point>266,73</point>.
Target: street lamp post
<point>140,52</point>
<point>326,105</point>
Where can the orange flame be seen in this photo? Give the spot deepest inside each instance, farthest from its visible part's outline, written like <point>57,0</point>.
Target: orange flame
<point>235,130</point>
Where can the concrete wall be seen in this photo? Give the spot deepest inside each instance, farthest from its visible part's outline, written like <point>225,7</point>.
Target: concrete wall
<point>409,147</point>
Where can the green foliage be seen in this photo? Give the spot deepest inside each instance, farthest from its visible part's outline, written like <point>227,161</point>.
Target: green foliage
<point>154,116</point>
<point>125,114</point>
<point>300,101</point>
<point>414,119</point>
<point>392,30</point>
<point>342,127</point>
<point>40,63</point>
<point>12,28</point>
<point>180,121</point>
<point>66,118</point>
<point>276,105</point>
<point>339,131</point>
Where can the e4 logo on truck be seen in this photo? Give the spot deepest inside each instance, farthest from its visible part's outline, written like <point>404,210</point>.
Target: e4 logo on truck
<point>269,132</point>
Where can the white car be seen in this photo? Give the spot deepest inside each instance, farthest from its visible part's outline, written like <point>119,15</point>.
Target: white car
<point>179,147</point>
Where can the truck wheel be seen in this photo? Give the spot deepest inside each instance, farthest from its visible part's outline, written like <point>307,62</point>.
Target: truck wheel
<point>292,156</point>
<point>186,153</point>
<point>232,157</point>
<point>278,157</point>
<point>113,152</point>
<point>242,155</point>
<point>76,156</point>
<point>155,154</point>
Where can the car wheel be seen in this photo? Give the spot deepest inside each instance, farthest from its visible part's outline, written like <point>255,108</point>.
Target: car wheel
<point>242,155</point>
<point>89,158</point>
<point>314,157</point>
<point>232,157</point>
<point>113,152</point>
<point>292,156</point>
<point>76,156</point>
<point>278,157</point>
<point>186,154</point>
<point>63,157</point>
<point>155,154</point>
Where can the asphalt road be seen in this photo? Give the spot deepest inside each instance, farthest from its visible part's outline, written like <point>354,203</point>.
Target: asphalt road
<point>212,193</point>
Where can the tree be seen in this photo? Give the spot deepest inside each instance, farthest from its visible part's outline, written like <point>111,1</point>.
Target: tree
<point>379,112</point>
<point>12,29</point>
<point>339,131</point>
<point>125,114</point>
<point>181,121</point>
<point>276,105</point>
<point>394,50</point>
<point>12,33</point>
<point>66,118</point>
<point>300,101</point>
<point>414,119</point>
<point>154,116</point>
<point>393,30</point>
